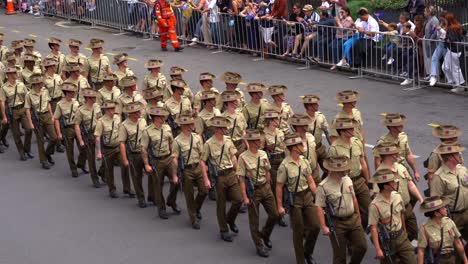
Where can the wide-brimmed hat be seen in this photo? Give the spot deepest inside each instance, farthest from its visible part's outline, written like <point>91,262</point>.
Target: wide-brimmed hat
<point>219,121</point>
<point>449,148</point>
<point>206,76</point>
<point>108,104</point>
<point>151,94</point>
<point>88,92</point>
<point>185,118</point>
<point>9,56</point>
<point>393,119</point>
<point>29,57</point>
<point>344,123</point>
<point>69,87</point>
<point>433,203</point>
<point>207,95</point>
<point>29,42</point>
<point>153,63</point>
<point>347,96</point>
<point>74,42</point>
<point>71,67</point>
<point>309,99</point>
<point>49,62</point>
<point>252,134</point>
<point>300,120</point>
<point>277,89</point>
<point>128,81</point>
<point>270,114</point>
<point>175,70</point>
<point>120,58</point>
<point>308,8</point>
<point>231,77</point>
<point>110,77</point>
<point>339,163</point>
<point>255,88</point>
<point>11,70</point>
<point>387,148</point>
<point>157,111</point>
<point>292,140</point>
<point>446,131</point>
<point>180,84</point>
<point>383,176</point>
<point>133,107</point>
<point>95,43</point>
<point>36,78</point>
<point>53,40</point>
<point>16,44</point>
<point>228,96</point>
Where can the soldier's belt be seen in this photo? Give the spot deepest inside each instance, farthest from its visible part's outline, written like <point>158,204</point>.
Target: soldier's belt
<point>259,186</point>
<point>395,234</point>
<point>357,178</point>
<point>277,156</point>
<point>343,218</point>
<point>43,113</point>
<point>56,99</point>
<point>225,172</point>
<point>191,166</point>
<point>162,157</point>
<point>110,146</point>
<point>18,107</point>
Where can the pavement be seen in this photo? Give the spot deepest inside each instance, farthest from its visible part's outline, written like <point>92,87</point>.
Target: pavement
<point>50,218</point>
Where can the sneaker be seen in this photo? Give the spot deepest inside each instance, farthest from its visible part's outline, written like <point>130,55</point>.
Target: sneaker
<point>384,57</point>
<point>390,61</point>
<point>404,74</point>
<point>341,63</point>
<point>432,81</point>
<point>194,42</point>
<point>427,78</point>
<point>458,90</point>
<point>406,82</point>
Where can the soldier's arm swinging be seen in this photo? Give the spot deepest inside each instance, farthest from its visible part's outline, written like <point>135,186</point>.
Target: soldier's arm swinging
<point>144,156</point>
<point>78,135</point>
<point>420,255</point>
<point>413,189</point>
<point>98,148</point>
<point>244,192</point>
<point>311,183</point>
<point>123,153</point>
<point>412,163</point>
<point>28,116</point>
<point>4,115</point>
<point>57,129</point>
<point>356,207</point>
<point>375,241</point>
<point>204,169</point>
<point>460,249</point>
<point>279,198</point>
<point>323,225</point>
<point>364,168</point>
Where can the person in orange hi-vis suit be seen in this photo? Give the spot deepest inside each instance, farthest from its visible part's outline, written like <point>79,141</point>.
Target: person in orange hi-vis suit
<point>166,24</point>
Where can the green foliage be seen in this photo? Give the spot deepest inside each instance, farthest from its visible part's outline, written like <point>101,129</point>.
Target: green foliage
<point>388,4</point>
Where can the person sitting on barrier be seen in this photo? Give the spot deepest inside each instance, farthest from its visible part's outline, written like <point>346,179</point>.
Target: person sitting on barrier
<point>294,28</point>
<point>325,32</point>
<point>344,22</point>
<point>403,19</point>
<point>368,29</point>
<point>392,40</point>
<point>310,18</point>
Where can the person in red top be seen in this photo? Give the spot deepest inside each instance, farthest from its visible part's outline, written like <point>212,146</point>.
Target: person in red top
<point>167,24</point>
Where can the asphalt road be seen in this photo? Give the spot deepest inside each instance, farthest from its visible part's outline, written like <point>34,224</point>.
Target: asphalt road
<point>47,217</point>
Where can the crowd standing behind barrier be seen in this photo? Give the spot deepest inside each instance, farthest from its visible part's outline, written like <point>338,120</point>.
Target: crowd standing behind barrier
<point>417,56</point>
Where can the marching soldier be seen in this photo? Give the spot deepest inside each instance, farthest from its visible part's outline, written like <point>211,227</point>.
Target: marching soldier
<point>52,82</point>
<point>439,234</point>
<point>156,146</point>
<point>389,156</point>
<point>107,143</point>
<point>54,45</point>
<point>17,49</point>
<point>85,122</point>
<point>130,134</point>
<point>29,61</point>
<point>12,61</point>
<point>318,127</point>
<point>351,147</point>
<point>29,49</point>
<point>177,104</point>
<point>155,80</point>
<point>75,56</point>
<point>129,94</point>
<point>176,74</point>
<point>13,94</point>
<point>451,182</point>
<point>349,99</point>
<point>232,81</point>
<point>3,49</point>
<point>296,174</point>
<point>37,107</point>
<point>109,92</point>
<point>274,147</point>
<point>387,214</point>
<point>220,151</point>
<point>206,81</point>
<point>254,110</point>
<point>63,116</point>
<point>98,64</point>
<point>154,99</point>
<point>446,134</point>
<point>278,93</point>
<point>254,172</point>
<point>231,100</point>
<point>336,191</point>
<point>121,60</point>
<point>186,152</point>
<point>208,110</point>
<point>76,78</point>
<point>395,124</point>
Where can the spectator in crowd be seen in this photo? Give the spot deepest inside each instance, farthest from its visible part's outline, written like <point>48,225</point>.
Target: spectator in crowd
<point>430,35</point>
<point>213,19</point>
<point>451,65</point>
<point>403,19</point>
<point>310,19</point>
<point>186,12</point>
<point>392,41</point>
<point>279,9</point>
<point>440,50</point>
<point>345,23</point>
<point>266,25</point>
<point>202,28</point>
<point>418,35</point>
<point>325,6</point>
<point>293,35</point>
<point>407,48</point>
<point>337,5</point>
<point>250,13</point>
<point>325,30</point>
<point>415,7</point>
<point>367,27</point>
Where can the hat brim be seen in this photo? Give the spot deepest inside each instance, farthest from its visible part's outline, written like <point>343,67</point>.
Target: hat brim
<point>445,201</point>
<point>329,168</point>
<point>147,66</point>
<point>223,79</point>
<point>373,180</point>
<point>120,60</point>
<point>460,149</point>
<point>108,107</point>
<point>437,135</point>
<point>227,125</point>
<point>350,100</point>
<point>401,123</point>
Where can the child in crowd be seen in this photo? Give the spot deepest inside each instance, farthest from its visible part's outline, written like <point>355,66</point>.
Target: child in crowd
<point>392,38</point>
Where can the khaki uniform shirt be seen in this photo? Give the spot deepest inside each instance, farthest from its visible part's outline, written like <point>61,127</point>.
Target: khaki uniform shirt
<point>84,116</point>
<point>435,162</point>
<point>379,211</point>
<point>97,73</point>
<point>212,151</point>
<point>54,85</point>
<point>129,130</point>
<point>38,101</point>
<point>120,74</point>
<point>38,58</point>
<point>67,110</point>
<point>82,83</point>
<point>203,117</point>
<point>339,194</point>
<point>248,166</point>
<point>358,120</point>
<point>181,148</point>
<point>355,152</point>
<point>80,59</point>
<point>430,235</point>
<point>3,50</point>
<point>285,113</point>
<point>60,59</point>
<point>7,93</point>
<point>105,95</point>
<point>125,99</point>
<point>319,123</point>
<point>289,172</point>
<point>252,111</point>
<point>275,139</point>
<point>2,73</point>
<point>445,183</point>
<point>309,150</point>
<point>240,125</point>
<point>26,74</point>
<point>160,139</point>
<point>108,129</point>
<point>157,83</point>
<point>197,98</point>
<point>402,143</point>
<point>174,108</point>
